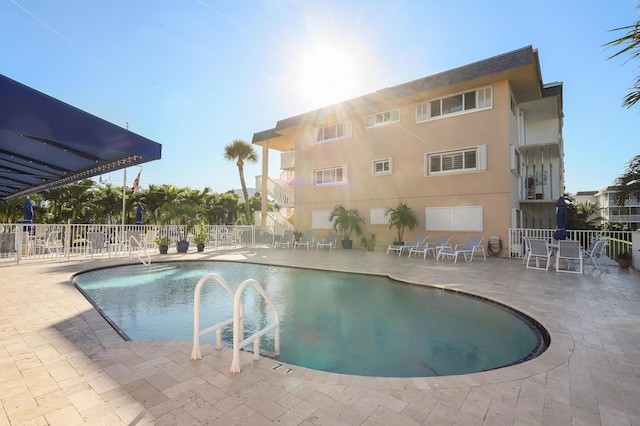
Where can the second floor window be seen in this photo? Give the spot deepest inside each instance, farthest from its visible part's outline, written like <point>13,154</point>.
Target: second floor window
<point>467,160</point>
<point>382,167</point>
<point>328,176</point>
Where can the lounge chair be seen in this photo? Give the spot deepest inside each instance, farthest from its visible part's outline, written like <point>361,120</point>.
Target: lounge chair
<point>569,251</point>
<point>432,247</point>
<point>468,250</point>
<point>329,241</point>
<point>408,245</point>
<point>538,249</point>
<point>54,244</point>
<point>306,240</point>
<point>285,240</point>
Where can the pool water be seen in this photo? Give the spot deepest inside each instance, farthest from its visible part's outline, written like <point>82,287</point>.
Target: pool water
<point>331,321</point>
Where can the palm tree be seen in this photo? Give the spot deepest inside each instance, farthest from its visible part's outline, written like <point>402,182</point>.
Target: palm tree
<point>628,185</point>
<point>241,151</point>
<point>631,45</point>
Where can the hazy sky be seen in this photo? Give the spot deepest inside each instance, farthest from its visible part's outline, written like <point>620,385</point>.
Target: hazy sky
<point>194,75</point>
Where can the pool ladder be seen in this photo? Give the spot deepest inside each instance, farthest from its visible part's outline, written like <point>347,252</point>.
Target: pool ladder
<point>237,320</point>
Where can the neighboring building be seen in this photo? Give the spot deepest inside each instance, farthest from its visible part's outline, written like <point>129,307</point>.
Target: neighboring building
<point>626,216</point>
<point>474,150</point>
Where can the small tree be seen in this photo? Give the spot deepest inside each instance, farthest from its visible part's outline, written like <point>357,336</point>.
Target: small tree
<point>402,216</point>
<point>346,221</point>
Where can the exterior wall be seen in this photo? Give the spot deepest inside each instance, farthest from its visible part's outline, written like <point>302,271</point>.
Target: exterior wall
<point>407,144</point>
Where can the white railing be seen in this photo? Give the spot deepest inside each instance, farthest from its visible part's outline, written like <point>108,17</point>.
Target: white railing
<point>287,160</point>
<point>197,333</point>
<point>618,240</point>
<point>279,190</point>
<point>238,330</point>
<point>237,320</point>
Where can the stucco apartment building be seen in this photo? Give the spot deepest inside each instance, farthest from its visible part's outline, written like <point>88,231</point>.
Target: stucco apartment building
<point>627,216</point>
<point>474,150</point>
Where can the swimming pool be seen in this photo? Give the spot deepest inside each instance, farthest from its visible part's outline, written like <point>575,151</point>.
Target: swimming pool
<point>337,322</point>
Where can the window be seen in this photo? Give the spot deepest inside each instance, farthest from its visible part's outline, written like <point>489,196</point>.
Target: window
<point>320,219</point>
<point>329,176</point>
<point>382,167</point>
<point>382,118</point>
<point>467,160</point>
<point>336,131</point>
<point>378,217</point>
<point>474,100</point>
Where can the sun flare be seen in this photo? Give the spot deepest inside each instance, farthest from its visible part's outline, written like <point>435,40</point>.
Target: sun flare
<point>326,76</point>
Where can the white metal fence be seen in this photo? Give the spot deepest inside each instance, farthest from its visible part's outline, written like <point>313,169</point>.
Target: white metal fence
<point>619,241</point>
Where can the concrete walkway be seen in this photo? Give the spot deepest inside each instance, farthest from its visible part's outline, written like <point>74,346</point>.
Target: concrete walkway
<point>62,364</point>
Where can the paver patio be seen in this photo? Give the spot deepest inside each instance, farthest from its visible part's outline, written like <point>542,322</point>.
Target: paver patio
<point>61,363</point>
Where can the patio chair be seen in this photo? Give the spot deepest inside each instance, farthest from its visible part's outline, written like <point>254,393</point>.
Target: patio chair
<point>285,240</point>
<point>95,243</point>
<point>472,246</point>
<point>329,241</point>
<point>596,254</point>
<point>568,252</point>
<point>408,245</point>
<point>54,244</point>
<point>538,249</point>
<point>432,247</point>
<point>306,240</point>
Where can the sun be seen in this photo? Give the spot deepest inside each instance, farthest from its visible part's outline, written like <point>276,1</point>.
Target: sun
<point>327,75</point>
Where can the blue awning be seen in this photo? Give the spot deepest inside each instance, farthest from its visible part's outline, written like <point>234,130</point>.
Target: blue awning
<point>45,143</point>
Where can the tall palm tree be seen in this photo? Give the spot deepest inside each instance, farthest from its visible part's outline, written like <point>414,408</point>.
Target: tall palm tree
<point>241,151</point>
<point>631,45</point>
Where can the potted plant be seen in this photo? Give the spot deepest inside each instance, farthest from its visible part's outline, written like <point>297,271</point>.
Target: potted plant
<point>163,241</point>
<point>184,214</point>
<point>346,221</point>
<point>401,216</point>
<point>369,241</point>
<point>624,259</point>
<point>297,235</point>
<point>201,238</point>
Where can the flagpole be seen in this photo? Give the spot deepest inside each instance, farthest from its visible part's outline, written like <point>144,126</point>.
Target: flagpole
<point>124,193</point>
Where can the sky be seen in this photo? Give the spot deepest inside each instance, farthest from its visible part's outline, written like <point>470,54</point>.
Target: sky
<point>194,75</point>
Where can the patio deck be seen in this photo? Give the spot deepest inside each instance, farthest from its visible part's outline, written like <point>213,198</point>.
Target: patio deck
<point>61,363</point>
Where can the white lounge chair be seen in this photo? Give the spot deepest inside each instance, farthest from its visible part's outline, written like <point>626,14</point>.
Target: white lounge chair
<point>408,245</point>
<point>432,247</point>
<point>468,250</point>
<point>538,249</point>
<point>285,240</point>
<point>568,252</point>
<point>306,240</point>
<point>329,241</point>
<point>95,243</point>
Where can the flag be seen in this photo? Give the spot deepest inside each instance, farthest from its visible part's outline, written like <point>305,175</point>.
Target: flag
<point>136,182</point>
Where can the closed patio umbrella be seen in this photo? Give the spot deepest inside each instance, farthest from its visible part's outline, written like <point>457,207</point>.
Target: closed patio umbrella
<point>561,220</point>
<point>139,214</point>
<point>27,213</point>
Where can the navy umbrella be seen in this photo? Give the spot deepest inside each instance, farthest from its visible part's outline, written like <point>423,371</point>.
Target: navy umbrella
<point>27,213</point>
<point>139,214</point>
<point>561,220</point>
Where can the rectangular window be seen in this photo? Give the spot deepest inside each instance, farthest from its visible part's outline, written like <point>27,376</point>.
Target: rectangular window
<point>382,118</point>
<point>468,101</point>
<point>382,167</point>
<point>467,160</point>
<point>336,131</point>
<point>329,176</point>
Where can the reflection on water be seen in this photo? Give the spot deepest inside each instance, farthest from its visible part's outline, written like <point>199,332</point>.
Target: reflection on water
<point>338,322</point>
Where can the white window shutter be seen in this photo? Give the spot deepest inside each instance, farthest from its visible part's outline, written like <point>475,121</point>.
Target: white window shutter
<point>482,157</point>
